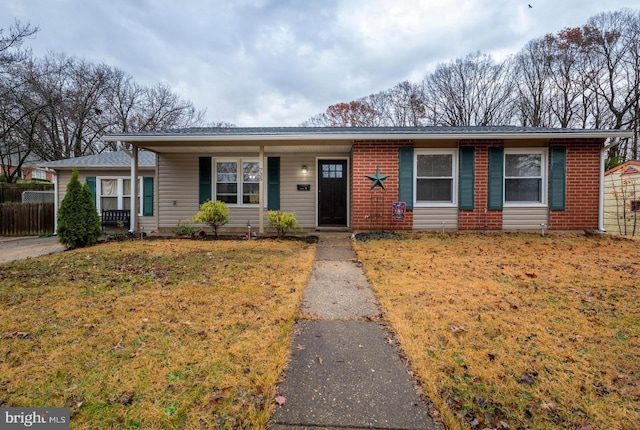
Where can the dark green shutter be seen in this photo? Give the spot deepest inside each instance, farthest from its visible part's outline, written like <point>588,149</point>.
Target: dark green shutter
<point>273,183</point>
<point>467,178</point>
<point>558,178</point>
<point>405,175</point>
<point>205,179</point>
<point>496,169</point>
<point>147,196</point>
<point>91,182</point>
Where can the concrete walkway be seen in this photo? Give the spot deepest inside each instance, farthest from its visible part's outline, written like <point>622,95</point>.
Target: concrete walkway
<point>19,248</point>
<point>344,372</point>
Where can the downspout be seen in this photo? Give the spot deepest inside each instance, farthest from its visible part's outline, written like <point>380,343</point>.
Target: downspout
<point>603,158</point>
<point>54,178</point>
<point>261,191</point>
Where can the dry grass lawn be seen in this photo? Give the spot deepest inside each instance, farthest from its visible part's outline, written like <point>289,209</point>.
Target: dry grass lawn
<point>160,334</point>
<point>517,330</point>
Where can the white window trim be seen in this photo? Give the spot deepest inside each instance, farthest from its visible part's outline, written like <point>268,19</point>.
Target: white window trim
<point>454,182</point>
<point>120,190</point>
<point>239,173</point>
<point>544,161</point>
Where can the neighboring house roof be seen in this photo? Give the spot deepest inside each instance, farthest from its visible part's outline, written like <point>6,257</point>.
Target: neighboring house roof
<point>357,133</point>
<point>117,159</point>
<point>30,160</point>
<point>630,167</point>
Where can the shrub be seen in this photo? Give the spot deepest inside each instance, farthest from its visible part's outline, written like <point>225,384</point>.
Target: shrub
<point>184,229</point>
<point>215,214</point>
<point>78,220</point>
<point>283,222</point>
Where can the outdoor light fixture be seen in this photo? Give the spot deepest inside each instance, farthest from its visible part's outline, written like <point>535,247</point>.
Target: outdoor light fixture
<point>304,169</point>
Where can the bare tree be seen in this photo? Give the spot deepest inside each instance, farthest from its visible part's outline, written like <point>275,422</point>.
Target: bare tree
<point>17,110</point>
<point>615,67</point>
<point>471,91</point>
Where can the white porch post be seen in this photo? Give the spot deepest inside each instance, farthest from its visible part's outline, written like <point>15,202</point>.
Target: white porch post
<point>134,190</point>
<point>261,191</point>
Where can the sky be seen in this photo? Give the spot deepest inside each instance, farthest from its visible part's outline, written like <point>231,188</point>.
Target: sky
<point>270,63</point>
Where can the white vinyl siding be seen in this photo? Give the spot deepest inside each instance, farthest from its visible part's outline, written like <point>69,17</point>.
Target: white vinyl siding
<point>432,218</point>
<point>525,218</point>
<point>179,181</point>
<point>303,203</point>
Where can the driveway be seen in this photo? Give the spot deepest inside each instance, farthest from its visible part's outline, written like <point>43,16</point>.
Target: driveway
<point>18,248</point>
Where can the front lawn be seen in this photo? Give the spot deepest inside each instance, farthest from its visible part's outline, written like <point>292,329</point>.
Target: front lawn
<point>517,330</point>
<point>159,334</point>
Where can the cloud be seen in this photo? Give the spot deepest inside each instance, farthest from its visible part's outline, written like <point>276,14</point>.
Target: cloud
<point>278,62</point>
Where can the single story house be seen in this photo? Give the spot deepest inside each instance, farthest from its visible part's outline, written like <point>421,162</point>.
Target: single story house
<point>622,199</point>
<point>418,178</point>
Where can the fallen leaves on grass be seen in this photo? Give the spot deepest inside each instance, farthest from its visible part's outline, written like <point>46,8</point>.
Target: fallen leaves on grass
<point>158,334</point>
<point>516,330</point>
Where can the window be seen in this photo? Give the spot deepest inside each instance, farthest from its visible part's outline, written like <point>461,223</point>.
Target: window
<point>332,171</point>
<point>524,177</point>
<point>635,205</point>
<point>38,174</point>
<point>436,178</point>
<point>115,193</point>
<point>230,182</point>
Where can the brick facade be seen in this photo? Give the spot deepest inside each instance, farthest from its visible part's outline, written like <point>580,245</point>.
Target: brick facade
<point>583,185</point>
<point>480,218</point>
<point>372,207</point>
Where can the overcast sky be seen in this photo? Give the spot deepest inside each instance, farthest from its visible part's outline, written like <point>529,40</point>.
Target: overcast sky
<point>279,62</point>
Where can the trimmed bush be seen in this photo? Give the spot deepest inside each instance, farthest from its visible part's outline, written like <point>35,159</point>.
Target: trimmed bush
<point>78,220</point>
<point>283,222</point>
<point>215,214</point>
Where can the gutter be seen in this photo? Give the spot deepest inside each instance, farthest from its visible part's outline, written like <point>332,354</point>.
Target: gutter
<point>301,137</point>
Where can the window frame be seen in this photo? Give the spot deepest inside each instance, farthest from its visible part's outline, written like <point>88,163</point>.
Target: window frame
<point>120,192</point>
<point>544,177</point>
<point>239,161</point>
<point>454,178</point>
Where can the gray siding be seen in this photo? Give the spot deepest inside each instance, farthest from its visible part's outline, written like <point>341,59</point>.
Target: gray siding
<point>432,218</point>
<point>524,218</point>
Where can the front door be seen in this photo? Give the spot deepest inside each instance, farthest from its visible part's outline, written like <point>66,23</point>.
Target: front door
<point>332,193</point>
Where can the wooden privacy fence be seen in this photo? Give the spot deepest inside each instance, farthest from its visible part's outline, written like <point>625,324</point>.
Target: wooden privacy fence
<point>13,192</point>
<point>26,219</point>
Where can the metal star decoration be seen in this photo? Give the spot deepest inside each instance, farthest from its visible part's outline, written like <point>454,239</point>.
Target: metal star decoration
<point>377,179</point>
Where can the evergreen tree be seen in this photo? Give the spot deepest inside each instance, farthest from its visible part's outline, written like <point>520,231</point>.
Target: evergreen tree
<point>78,220</point>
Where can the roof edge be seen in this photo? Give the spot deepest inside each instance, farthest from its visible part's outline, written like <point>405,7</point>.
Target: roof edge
<point>255,137</point>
